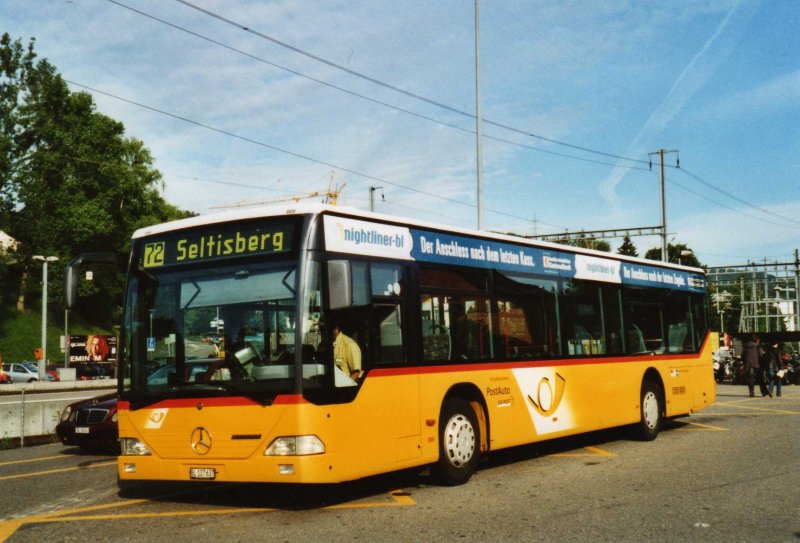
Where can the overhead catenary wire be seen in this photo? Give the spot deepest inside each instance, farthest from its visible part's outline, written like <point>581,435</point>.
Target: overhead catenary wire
<point>736,198</point>
<point>394,87</point>
<point>373,100</point>
<point>461,112</point>
<point>713,187</point>
<point>368,176</point>
<point>287,152</point>
<point>735,210</point>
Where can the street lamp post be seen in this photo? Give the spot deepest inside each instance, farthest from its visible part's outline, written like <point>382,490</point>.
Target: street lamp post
<point>43,361</point>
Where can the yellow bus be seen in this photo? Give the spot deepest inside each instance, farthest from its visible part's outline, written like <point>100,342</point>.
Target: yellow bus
<point>315,344</point>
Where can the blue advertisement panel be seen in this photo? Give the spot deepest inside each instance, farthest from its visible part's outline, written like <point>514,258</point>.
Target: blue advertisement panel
<point>457,250</point>
<point>652,276</point>
<point>463,251</point>
<point>353,236</point>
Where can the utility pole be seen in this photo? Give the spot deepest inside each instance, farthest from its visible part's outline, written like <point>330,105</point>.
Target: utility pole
<point>661,153</point>
<point>478,116</point>
<point>372,197</point>
<point>45,260</point>
<point>797,292</point>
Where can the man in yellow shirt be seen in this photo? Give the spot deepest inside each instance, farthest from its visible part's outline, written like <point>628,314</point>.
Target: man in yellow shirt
<point>346,354</point>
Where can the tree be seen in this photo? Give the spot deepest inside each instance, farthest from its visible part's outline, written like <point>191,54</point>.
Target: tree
<point>70,181</point>
<point>627,247</point>
<point>677,254</point>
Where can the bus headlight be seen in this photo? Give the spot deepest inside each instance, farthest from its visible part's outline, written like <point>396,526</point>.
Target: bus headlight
<point>133,447</point>
<point>295,446</point>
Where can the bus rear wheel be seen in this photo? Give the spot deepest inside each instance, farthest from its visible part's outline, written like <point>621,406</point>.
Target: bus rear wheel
<point>459,439</point>
<point>652,411</point>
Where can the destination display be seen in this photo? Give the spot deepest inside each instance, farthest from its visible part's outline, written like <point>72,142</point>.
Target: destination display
<point>365,238</point>
<point>219,241</point>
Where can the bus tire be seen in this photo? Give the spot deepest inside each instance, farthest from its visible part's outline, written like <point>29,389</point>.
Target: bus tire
<point>459,439</point>
<point>652,411</point>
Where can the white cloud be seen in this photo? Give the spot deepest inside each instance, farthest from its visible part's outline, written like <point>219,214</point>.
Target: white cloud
<point>762,98</point>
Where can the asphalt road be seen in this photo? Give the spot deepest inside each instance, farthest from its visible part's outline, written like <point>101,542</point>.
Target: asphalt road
<point>730,473</point>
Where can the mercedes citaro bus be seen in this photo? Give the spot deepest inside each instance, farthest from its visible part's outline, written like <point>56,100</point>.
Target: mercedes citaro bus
<point>468,342</point>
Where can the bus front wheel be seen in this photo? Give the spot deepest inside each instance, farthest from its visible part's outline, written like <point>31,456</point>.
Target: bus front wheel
<point>459,438</point>
<point>652,411</point>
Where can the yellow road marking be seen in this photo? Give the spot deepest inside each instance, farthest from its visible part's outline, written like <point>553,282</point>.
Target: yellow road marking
<point>593,452</point>
<point>61,470</point>
<point>9,527</point>
<point>729,414</point>
<point>766,410</point>
<point>42,459</point>
<point>703,427</point>
<point>400,499</point>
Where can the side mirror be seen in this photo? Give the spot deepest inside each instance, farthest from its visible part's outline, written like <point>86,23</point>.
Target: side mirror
<point>72,270</point>
<point>340,284</point>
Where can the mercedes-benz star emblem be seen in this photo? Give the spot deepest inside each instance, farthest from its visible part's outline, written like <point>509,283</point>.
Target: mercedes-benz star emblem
<point>201,440</point>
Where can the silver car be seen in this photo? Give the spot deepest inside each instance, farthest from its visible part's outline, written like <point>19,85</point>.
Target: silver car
<point>25,372</point>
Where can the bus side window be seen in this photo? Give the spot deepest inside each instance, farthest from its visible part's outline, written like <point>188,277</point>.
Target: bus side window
<point>678,316</point>
<point>456,311</point>
<point>643,316</point>
<point>584,319</point>
<point>513,338</point>
<point>388,289</point>
<point>389,333</point>
<point>436,341</point>
<point>527,316</point>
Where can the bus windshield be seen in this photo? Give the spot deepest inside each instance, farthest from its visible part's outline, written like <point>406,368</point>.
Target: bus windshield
<point>227,329</point>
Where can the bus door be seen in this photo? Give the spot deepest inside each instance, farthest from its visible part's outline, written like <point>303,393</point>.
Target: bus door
<point>373,315</point>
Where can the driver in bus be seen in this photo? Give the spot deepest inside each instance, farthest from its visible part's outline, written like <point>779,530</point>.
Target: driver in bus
<point>346,353</point>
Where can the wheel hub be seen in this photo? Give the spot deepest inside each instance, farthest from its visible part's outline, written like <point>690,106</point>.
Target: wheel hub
<point>650,410</point>
<point>459,440</point>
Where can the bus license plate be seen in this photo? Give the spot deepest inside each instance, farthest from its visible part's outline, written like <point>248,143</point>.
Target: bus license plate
<point>202,473</point>
<point>81,430</point>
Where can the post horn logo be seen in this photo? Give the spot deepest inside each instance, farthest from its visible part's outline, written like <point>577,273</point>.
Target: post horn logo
<point>547,400</point>
<point>157,417</point>
<point>201,440</point>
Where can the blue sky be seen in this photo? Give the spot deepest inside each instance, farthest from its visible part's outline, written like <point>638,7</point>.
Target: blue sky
<point>717,80</point>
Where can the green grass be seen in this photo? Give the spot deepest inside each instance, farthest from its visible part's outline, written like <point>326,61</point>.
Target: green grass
<point>21,333</point>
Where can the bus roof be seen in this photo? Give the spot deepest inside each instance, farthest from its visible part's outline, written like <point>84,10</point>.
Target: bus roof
<point>314,208</point>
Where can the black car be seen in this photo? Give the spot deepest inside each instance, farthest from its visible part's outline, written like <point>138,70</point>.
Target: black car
<point>90,424</point>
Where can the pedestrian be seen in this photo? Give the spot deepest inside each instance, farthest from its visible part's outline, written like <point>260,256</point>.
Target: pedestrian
<point>772,357</point>
<point>346,353</point>
<point>751,355</point>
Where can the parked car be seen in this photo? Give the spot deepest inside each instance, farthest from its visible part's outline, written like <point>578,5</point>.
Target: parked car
<point>91,370</point>
<point>24,372</point>
<point>90,424</point>
<point>53,370</point>
<point>193,369</point>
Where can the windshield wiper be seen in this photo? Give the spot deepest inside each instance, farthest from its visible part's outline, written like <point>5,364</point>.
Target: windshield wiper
<point>222,386</point>
<point>140,402</point>
<point>261,398</point>
<point>195,388</point>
